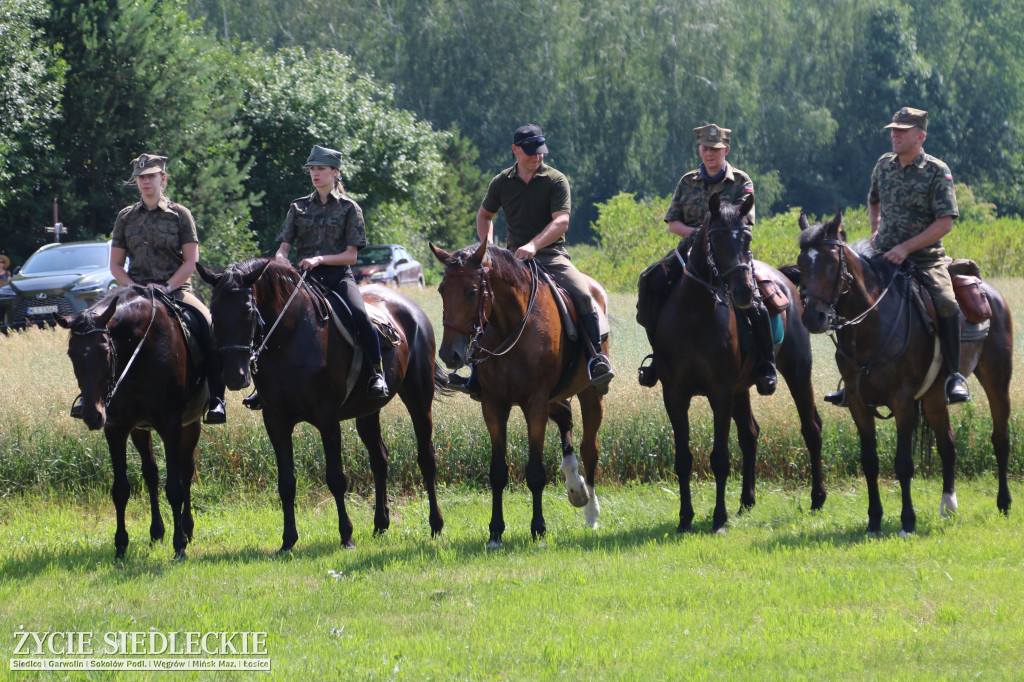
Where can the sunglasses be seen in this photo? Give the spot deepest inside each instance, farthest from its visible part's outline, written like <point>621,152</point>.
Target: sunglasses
<point>535,140</point>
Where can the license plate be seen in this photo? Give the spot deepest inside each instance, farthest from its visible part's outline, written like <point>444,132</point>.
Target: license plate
<point>42,309</point>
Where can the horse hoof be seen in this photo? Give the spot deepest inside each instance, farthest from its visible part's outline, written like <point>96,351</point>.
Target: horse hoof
<point>495,544</point>
<point>179,556</point>
<point>348,544</point>
<point>948,505</point>
<point>722,532</point>
<point>684,529</point>
<point>874,534</point>
<point>578,497</point>
<point>905,534</point>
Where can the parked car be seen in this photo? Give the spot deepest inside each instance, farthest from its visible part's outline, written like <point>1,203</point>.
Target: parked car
<point>387,264</point>
<point>57,278</point>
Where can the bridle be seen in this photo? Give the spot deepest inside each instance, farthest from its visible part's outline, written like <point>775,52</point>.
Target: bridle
<point>485,301</point>
<point>717,284</point>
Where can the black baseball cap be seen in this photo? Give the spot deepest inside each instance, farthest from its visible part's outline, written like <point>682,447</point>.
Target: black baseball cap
<point>530,138</point>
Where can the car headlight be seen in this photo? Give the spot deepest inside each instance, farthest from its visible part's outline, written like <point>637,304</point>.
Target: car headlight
<point>379,275</point>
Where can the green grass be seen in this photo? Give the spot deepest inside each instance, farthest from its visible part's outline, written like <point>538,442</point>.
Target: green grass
<point>786,594</point>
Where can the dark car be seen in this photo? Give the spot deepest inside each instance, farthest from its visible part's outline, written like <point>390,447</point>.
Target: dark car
<point>387,264</point>
<point>58,278</point>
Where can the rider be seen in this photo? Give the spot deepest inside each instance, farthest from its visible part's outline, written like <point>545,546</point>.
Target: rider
<point>158,239</point>
<point>327,230</point>
<point>911,205</point>
<point>535,199</point>
<point>685,215</point>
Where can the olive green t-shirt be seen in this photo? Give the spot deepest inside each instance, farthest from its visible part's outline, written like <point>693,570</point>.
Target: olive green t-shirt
<point>153,240</point>
<point>911,198</point>
<point>529,206</point>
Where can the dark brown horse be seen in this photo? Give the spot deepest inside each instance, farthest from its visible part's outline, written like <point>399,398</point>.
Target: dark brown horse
<point>697,349</point>
<point>499,315</point>
<point>887,356</point>
<point>265,313</point>
<point>133,368</point>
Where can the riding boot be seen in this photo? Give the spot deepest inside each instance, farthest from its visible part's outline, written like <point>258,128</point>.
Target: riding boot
<point>837,398</point>
<point>253,402</point>
<point>599,366</point>
<point>469,385</point>
<point>949,336</point>
<point>216,412</point>
<point>378,386</point>
<point>761,330</point>
<point>77,407</point>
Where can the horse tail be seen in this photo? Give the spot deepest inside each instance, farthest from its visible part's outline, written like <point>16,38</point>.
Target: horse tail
<point>923,439</point>
<point>441,384</point>
<point>792,273</point>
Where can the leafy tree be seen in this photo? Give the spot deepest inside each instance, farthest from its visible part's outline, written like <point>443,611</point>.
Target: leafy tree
<point>463,186</point>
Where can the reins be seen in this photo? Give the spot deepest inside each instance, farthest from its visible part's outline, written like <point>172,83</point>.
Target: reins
<point>719,292</point>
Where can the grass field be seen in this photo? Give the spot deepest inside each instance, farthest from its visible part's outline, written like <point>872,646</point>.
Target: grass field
<point>786,594</point>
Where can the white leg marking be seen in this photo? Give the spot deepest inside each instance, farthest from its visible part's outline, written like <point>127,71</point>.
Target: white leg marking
<point>592,510</point>
<point>575,486</point>
<point>948,505</point>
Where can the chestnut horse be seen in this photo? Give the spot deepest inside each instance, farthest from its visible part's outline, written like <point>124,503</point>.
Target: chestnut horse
<point>132,365</point>
<point>500,315</point>
<point>271,325</point>
<point>885,353</point>
<point>697,349</point>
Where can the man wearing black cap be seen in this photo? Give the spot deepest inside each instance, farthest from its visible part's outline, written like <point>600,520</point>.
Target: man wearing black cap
<point>535,199</point>
<point>911,205</point>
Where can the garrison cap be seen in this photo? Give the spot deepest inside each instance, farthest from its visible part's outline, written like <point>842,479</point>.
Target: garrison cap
<point>712,135</point>
<point>147,164</point>
<point>907,118</point>
<point>530,139</point>
<point>322,156</point>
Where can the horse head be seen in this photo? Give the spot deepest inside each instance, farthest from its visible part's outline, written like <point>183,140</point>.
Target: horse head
<point>824,275</point>
<point>235,317</point>
<point>466,300</point>
<point>93,357</point>
<point>726,240</point>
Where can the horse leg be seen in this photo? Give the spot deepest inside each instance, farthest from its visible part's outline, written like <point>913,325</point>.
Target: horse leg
<point>368,428</point>
<point>280,434</point>
<point>187,457</point>
<point>426,457</point>
<point>798,377</point>
<point>865,422</point>
<point>117,443</point>
<point>719,459</point>
<point>496,417</point>
<point>747,432</point>
<point>996,382</point>
<point>143,441</point>
<point>536,477</point>
<point>592,411</point>
<point>678,408</point>
<point>906,419</point>
<point>575,487</point>
<point>330,436</point>
<point>171,434</point>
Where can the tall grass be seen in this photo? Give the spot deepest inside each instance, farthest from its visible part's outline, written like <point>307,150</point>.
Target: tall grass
<point>44,449</point>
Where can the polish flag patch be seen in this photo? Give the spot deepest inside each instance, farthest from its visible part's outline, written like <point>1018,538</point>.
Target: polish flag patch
<point>949,176</point>
<point>749,187</point>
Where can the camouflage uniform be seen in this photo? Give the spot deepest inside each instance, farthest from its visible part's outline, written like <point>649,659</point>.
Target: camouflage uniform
<point>317,229</point>
<point>153,240</point>
<point>911,198</point>
<point>690,200</point>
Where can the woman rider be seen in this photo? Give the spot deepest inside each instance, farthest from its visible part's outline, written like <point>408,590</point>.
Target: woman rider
<point>327,230</point>
<point>158,239</point>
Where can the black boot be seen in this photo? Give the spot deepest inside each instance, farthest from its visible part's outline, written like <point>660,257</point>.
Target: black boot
<point>216,412</point>
<point>599,366</point>
<point>949,336</point>
<point>253,402</point>
<point>838,398</point>
<point>469,385</point>
<point>761,330</point>
<point>77,406</point>
<point>647,375</point>
<point>378,386</point>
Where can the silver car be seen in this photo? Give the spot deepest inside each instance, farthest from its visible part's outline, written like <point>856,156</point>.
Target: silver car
<point>387,264</point>
<point>58,278</point>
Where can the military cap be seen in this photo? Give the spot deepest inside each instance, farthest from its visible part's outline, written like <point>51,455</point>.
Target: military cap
<point>5,262</point>
<point>322,156</point>
<point>530,139</point>
<point>712,136</point>
<point>907,118</point>
<point>147,164</point>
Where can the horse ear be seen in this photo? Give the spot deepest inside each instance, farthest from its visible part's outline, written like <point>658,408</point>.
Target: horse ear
<point>61,320</point>
<point>803,221</point>
<point>208,276</point>
<point>748,205</point>
<point>481,253</point>
<point>101,319</point>
<point>440,254</point>
<point>714,204</point>
<point>256,273</point>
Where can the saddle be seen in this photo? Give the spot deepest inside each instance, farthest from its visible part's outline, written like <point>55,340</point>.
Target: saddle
<point>334,305</point>
<point>192,323</point>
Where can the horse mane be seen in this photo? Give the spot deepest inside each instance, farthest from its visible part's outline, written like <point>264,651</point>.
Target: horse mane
<point>83,322</point>
<point>280,277</point>
<point>504,264</point>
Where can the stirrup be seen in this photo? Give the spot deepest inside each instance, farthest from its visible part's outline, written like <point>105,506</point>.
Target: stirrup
<point>253,402</point>
<point>600,370</point>
<point>956,390</point>
<point>647,375</point>
<point>77,406</point>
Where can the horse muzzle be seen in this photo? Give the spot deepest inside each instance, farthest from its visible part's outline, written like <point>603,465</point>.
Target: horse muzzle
<point>236,377</point>
<point>94,416</point>
<point>815,320</point>
<point>454,354</point>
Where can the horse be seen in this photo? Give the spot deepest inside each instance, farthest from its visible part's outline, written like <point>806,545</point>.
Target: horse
<point>273,329</point>
<point>499,315</point>
<point>697,349</point>
<point>131,361</point>
<point>887,356</point>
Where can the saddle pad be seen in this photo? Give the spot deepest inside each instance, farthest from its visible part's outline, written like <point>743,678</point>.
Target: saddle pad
<point>745,334</point>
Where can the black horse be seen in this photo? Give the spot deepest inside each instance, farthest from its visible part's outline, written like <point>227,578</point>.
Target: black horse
<point>133,367</point>
<point>887,356</point>
<point>697,349</point>
<point>306,370</point>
